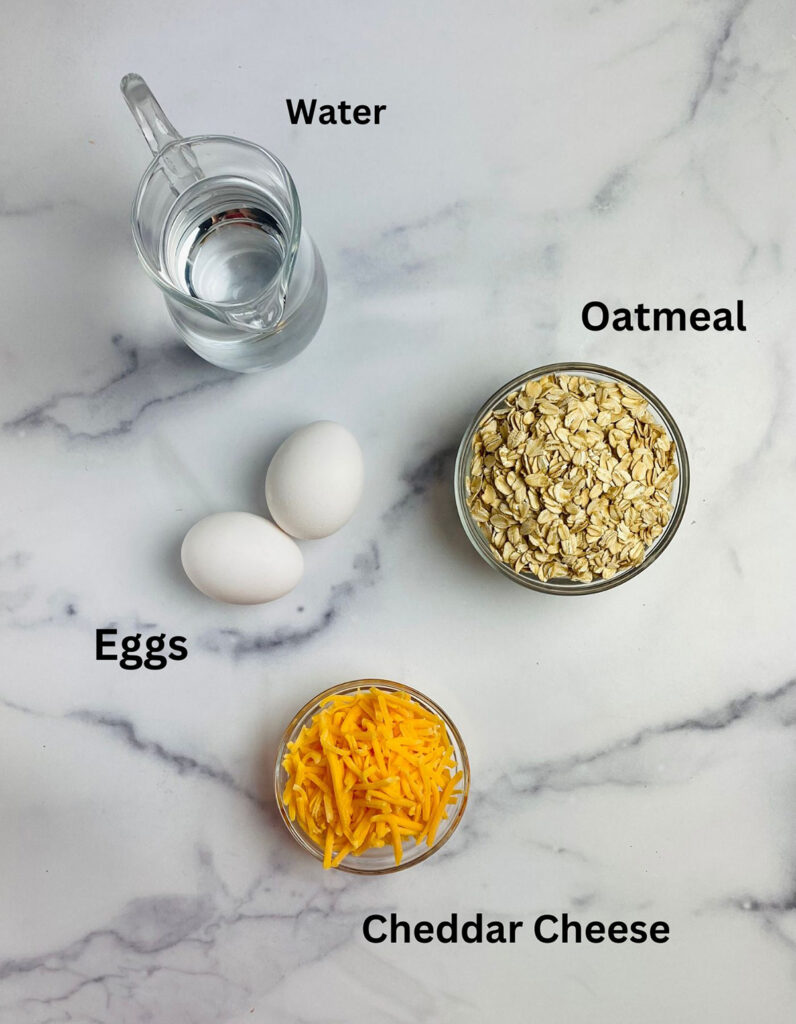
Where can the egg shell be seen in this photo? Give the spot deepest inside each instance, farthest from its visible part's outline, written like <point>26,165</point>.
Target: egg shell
<point>241,558</point>
<point>315,480</point>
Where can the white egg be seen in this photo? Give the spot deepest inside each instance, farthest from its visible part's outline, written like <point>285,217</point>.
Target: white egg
<point>314,482</point>
<point>241,558</point>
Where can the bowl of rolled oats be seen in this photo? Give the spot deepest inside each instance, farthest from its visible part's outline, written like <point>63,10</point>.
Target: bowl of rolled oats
<point>572,479</point>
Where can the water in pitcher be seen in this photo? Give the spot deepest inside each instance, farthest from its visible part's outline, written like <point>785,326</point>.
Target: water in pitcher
<point>224,241</point>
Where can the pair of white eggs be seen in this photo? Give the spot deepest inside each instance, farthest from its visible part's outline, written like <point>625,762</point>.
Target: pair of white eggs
<point>312,487</point>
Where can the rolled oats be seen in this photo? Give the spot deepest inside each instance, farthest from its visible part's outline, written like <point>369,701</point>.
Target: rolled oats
<point>571,478</point>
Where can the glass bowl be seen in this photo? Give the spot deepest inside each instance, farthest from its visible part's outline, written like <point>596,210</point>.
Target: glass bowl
<point>379,861</point>
<point>678,499</point>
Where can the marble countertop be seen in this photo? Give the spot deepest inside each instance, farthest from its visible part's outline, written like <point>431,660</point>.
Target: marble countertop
<point>633,753</point>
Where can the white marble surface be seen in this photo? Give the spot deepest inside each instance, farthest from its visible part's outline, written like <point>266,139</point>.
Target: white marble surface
<point>633,753</point>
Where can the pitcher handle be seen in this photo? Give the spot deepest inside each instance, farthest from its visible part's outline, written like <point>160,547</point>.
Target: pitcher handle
<point>179,164</point>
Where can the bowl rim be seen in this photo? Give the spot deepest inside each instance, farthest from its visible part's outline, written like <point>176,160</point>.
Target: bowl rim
<point>351,687</point>
<point>572,588</point>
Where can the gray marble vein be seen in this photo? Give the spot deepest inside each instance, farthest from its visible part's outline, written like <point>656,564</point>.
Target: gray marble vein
<point>402,251</point>
<point>126,732</point>
<point>419,479</point>
<point>148,378</point>
<point>611,192</point>
<point>715,55</point>
<point>565,774</point>
<point>239,643</point>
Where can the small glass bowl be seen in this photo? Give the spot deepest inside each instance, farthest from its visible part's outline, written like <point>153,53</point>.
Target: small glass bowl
<point>678,498</point>
<point>379,861</point>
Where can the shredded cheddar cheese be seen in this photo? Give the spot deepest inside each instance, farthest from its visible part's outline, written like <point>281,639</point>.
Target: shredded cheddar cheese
<point>373,768</point>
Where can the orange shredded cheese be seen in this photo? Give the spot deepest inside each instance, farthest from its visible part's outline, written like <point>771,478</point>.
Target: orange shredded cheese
<point>373,768</point>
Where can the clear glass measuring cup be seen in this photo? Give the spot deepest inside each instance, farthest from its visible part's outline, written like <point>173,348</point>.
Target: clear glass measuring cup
<point>217,225</point>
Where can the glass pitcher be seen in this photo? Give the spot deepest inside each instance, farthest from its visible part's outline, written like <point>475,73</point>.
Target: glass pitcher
<point>217,225</point>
